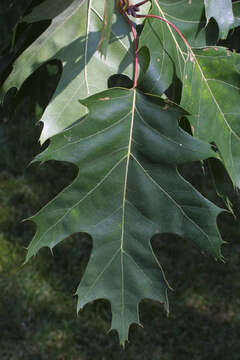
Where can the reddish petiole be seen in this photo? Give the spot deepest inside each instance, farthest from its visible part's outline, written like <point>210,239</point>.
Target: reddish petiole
<point>128,9</point>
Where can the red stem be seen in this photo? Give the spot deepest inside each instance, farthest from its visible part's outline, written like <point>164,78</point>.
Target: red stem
<point>169,23</point>
<point>136,51</point>
<point>136,38</point>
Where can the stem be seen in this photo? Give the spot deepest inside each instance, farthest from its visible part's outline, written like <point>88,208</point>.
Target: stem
<point>169,23</point>
<point>132,10</point>
<point>136,51</point>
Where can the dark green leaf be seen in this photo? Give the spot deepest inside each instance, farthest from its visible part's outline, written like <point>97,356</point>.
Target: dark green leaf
<point>128,189</point>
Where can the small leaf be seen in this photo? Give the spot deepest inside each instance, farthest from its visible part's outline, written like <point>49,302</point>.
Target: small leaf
<point>222,12</point>
<point>128,189</point>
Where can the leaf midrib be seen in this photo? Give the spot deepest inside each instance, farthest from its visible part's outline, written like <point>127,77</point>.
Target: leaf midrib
<point>125,193</point>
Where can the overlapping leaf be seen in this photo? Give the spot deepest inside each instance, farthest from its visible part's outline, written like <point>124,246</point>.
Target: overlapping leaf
<point>189,19</point>
<point>167,53</point>
<point>222,12</point>
<point>127,190</point>
<point>210,93</point>
<point>73,38</point>
<point>188,16</point>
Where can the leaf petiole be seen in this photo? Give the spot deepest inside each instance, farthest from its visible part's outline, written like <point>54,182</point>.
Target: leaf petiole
<point>167,22</point>
<point>127,9</point>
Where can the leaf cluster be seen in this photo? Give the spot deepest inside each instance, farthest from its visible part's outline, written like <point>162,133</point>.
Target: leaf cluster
<point>128,142</point>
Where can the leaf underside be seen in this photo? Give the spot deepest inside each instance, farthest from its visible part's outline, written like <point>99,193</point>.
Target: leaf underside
<point>73,38</point>
<point>128,189</point>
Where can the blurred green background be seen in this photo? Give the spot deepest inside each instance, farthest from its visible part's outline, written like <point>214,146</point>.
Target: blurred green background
<point>38,318</point>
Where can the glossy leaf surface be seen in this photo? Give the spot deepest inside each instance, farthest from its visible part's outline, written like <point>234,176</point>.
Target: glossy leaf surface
<point>128,189</point>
